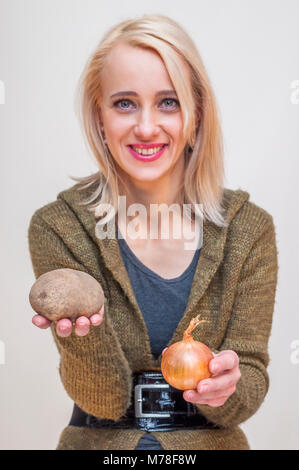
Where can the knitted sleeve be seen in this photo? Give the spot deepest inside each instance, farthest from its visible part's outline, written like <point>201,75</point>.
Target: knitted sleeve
<point>84,361</point>
<point>249,329</point>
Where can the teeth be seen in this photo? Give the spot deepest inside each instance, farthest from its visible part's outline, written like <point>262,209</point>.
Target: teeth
<point>147,151</point>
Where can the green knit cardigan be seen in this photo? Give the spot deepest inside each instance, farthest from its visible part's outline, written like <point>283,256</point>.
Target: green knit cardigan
<point>233,289</point>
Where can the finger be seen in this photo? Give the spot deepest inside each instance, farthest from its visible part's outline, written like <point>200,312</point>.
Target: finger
<point>217,402</point>
<point>213,403</point>
<point>225,360</point>
<point>97,318</point>
<point>217,394</point>
<point>163,351</point>
<point>101,311</point>
<point>193,397</point>
<point>220,382</point>
<point>41,322</point>
<point>82,326</point>
<point>64,327</point>
<point>196,398</point>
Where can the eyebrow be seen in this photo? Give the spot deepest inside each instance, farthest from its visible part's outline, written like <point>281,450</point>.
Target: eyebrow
<point>133,93</point>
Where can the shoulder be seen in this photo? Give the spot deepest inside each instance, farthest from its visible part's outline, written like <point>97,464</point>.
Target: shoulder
<point>251,225</point>
<point>247,217</point>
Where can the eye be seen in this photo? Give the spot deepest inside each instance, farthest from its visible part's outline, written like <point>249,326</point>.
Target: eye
<point>116,103</point>
<point>171,100</point>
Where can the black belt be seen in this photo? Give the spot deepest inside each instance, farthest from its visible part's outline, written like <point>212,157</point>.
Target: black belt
<point>155,406</point>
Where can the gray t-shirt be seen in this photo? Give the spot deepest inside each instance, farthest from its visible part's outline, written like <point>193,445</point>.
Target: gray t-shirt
<point>162,303</point>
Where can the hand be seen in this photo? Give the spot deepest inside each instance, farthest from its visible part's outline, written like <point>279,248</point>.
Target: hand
<point>64,326</point>
<point>221,385</point>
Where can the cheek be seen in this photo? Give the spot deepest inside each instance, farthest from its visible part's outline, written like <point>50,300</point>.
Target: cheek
<point>115,124</point>
<point>174,127</point>
<point>117,132</point>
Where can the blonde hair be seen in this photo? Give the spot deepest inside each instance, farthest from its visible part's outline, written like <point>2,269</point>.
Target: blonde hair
<point>203,152</point>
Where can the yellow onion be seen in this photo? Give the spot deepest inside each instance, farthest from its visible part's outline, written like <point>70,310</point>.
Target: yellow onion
<point>186,362</point>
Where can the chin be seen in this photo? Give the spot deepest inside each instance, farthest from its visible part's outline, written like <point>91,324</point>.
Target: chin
<point>148,174</point>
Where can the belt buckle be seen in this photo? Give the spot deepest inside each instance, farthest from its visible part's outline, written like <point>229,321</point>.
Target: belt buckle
<point>138,401</point>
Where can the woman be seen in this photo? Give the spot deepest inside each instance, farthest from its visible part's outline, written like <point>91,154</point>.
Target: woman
<point>150,118</point>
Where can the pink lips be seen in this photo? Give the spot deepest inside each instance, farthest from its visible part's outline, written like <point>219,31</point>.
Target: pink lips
<point>147,158</point>
<point>147,146</point>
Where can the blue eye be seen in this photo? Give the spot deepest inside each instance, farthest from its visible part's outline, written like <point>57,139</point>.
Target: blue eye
<point>121,101</point>
<point>117,104</point>
<point>173,100</point>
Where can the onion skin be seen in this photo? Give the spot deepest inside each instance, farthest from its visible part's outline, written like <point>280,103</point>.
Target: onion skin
<point>186,362</point>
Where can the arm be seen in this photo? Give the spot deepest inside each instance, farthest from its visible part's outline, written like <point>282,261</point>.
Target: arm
<point>248,333</point>
<point>89,364</point>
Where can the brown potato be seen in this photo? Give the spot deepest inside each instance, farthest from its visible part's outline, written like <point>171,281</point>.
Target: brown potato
<point>66,293</point>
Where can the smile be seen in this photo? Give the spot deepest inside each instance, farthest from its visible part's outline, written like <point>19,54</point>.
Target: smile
<point>149,151</point>
<point>147,155</point>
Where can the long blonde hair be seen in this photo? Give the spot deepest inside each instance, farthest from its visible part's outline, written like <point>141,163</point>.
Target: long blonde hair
<point>203,153</point>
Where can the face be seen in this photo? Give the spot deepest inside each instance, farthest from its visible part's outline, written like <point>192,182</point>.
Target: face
<point>145,117</point>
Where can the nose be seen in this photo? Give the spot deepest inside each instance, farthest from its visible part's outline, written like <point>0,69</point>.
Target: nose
<point>146,126</point>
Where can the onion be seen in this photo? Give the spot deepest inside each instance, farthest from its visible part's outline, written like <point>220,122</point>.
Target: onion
<point>186,362</point>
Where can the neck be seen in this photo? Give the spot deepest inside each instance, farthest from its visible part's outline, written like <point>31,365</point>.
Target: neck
<point>165,190</point>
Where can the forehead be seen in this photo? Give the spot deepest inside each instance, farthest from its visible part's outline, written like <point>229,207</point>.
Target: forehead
<point>127,67</point>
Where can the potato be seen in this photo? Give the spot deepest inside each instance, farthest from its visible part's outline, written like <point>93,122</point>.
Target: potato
<point>66,293</point>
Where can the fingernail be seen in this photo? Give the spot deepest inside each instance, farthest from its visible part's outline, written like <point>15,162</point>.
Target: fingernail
<point>62,332</point>
<point>203,388</point>
<point>215,368</point>
<point>96,317</point>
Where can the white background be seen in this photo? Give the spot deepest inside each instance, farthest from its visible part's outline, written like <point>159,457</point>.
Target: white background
<point>251,52</point>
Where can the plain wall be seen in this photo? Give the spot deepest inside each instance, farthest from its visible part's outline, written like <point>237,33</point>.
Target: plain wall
<point>250,50</point>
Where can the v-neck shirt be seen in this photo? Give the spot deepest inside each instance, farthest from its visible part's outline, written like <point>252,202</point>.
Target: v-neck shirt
<point>162,301</point>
